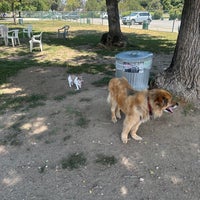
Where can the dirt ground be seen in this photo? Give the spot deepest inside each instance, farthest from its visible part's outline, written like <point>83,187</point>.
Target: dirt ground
<point>163,166</point>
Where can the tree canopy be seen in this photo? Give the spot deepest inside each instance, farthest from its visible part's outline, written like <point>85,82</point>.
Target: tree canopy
<point>90,5</point>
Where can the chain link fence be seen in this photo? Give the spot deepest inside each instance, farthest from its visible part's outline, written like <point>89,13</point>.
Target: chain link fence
<point>99,18</point>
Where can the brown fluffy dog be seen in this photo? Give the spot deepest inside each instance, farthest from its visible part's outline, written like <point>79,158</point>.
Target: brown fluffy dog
<point>119,89</point>
<point>138,107</point>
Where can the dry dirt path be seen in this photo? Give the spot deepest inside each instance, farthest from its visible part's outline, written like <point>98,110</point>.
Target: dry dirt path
<point>35,142</point>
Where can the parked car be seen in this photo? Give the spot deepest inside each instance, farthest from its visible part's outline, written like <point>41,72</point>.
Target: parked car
<point>71,15</point>
<point>137,17</point>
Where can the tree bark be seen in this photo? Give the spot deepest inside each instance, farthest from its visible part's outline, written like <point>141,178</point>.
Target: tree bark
<point>13,11</point>
<point>183,75</point>
<point>114,37</point>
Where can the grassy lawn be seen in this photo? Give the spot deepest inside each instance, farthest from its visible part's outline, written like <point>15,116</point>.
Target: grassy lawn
<point>78,51</point>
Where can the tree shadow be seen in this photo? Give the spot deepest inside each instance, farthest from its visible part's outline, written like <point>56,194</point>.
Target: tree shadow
<point>81,41</point>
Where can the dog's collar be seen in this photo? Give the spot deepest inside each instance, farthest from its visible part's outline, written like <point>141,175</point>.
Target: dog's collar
<point>149,107</point>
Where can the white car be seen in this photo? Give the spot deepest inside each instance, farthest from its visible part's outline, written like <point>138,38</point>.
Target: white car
<point>137,17</point>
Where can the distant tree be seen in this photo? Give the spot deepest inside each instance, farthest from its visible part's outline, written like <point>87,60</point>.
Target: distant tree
<point>144,3</point>
<point>19,5</point>
<point>169,5</point>
<point>183,75</point>
<point>54,6</point>
<point>166,4</point>
<point>154,5</point>
<point>130,5</point>
<point>4,6</point>
<point>73,4</point>
<point>40,5</point>
<point>98,5</point>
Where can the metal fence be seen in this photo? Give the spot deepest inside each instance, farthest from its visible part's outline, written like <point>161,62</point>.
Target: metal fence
<point>59,15</point>
<point>99,18</point>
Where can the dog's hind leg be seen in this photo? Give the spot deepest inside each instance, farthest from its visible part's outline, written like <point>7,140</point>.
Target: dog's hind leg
<point>118,115</point>
<point>113,110</point>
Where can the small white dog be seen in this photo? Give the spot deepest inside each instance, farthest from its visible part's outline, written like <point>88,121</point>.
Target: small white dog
<point>77,80</point>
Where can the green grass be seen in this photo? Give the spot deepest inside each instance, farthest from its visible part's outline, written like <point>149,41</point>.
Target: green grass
<point>106,160</point>
<point>74,161</point>
<point>81,47</point>
<point>60,97</point>
<point>91,69</point>
<point>72,92</point>
<point>80,119</point>
<point>17,102</point>
<point>72,111</point>
<point>102,82</point>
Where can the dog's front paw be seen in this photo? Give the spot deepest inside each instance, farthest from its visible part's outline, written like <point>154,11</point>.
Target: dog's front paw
<point>118,115</point>
<point>124,140</point>
<point>114,120</point>
<point>136,137</point>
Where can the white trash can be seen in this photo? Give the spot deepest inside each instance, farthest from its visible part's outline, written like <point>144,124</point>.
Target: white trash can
<point>135,66</point>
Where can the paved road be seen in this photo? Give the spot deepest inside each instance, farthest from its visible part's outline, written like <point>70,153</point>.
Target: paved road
<point>157,25</point>
<point>164,25</point>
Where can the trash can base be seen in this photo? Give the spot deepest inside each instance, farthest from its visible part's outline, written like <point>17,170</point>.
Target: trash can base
<point>20,20</point>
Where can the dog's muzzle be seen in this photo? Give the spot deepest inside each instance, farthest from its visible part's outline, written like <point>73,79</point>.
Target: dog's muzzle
<point>171,108</point>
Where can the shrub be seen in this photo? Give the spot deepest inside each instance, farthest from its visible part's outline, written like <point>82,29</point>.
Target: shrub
<point>175,14</point>
<point>158,14</point>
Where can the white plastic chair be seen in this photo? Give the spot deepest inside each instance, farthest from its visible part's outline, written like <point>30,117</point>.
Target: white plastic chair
<point>63,32</point>
<point>4,33</point>
<point>28,30</point>
<point>13,36</point>
<point>36,39</point>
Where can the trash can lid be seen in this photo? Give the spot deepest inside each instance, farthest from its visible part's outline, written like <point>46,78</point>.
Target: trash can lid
<point>134,55</point>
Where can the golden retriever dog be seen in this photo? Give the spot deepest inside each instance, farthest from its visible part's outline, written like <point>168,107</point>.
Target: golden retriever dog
<point>138,107</point>
<point>119,89</point>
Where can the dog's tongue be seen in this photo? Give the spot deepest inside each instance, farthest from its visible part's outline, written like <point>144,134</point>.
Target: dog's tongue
<point>169,109</point>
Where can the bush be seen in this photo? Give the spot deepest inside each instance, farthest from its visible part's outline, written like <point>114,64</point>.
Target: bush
<point>158,14</point>
<point>125,13</point>
<point>174,14</point>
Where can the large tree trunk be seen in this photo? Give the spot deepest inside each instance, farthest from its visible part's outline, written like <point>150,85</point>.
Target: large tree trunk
<point>183,75</point>
<point>114,37</point>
